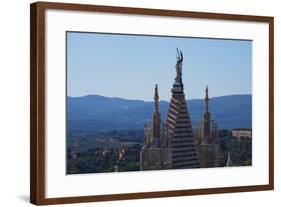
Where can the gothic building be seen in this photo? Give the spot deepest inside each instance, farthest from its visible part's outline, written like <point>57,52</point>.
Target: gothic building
<point>173,146</point>
<point>207,138</point>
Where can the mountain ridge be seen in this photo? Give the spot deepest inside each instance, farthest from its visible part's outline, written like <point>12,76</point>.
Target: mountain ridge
<point>99,113</point>
<point>115,97</point>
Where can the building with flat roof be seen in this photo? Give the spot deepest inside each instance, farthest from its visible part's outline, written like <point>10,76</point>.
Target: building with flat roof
<point>241,132</point>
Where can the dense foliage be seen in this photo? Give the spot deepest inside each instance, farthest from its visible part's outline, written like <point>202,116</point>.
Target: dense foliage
<point>120,151</point>
<point>240,150</point>
<point>99,160</point>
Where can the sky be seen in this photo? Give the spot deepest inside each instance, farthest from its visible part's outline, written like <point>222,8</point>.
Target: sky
<point>129,66</point>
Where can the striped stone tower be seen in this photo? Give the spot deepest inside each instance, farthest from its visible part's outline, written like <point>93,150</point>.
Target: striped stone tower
<point>178,125</point>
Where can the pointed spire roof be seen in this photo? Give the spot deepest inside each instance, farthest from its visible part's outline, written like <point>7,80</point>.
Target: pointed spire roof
<point>179,126</point>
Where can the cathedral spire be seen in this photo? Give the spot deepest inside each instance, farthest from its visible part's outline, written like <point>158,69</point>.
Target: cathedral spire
<point>156,115</point>
<point>207,117</point>
<point>179,126</point>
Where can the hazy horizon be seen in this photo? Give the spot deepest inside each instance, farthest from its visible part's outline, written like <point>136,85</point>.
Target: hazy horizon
<point>152,100</point>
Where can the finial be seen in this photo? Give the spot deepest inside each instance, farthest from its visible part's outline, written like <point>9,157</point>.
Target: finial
<point>206,99</point>
<point>206,94</point>
<point>156,96</point>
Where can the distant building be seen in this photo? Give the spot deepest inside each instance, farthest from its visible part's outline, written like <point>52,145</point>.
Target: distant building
<point>241,132</point>
<point>206,134</point>
<point>173,146</point>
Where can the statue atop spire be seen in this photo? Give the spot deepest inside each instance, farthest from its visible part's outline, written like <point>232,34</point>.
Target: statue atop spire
<point>178,79</point>
<point>178,85</point>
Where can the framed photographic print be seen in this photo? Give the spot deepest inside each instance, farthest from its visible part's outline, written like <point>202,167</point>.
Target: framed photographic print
<point>131,103</point>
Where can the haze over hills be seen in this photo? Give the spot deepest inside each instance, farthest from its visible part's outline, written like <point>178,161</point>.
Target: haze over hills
<point>94,113</point>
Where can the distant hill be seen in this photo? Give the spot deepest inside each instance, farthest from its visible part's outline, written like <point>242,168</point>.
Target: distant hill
<point>95,113</point>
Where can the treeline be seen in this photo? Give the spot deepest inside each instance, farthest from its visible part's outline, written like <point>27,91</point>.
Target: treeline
<point>123,135</point>
<point>97,154</point>
<point>99,160</point>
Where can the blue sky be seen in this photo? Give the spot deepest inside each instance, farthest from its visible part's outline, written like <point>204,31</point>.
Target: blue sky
<point>128,66</point>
